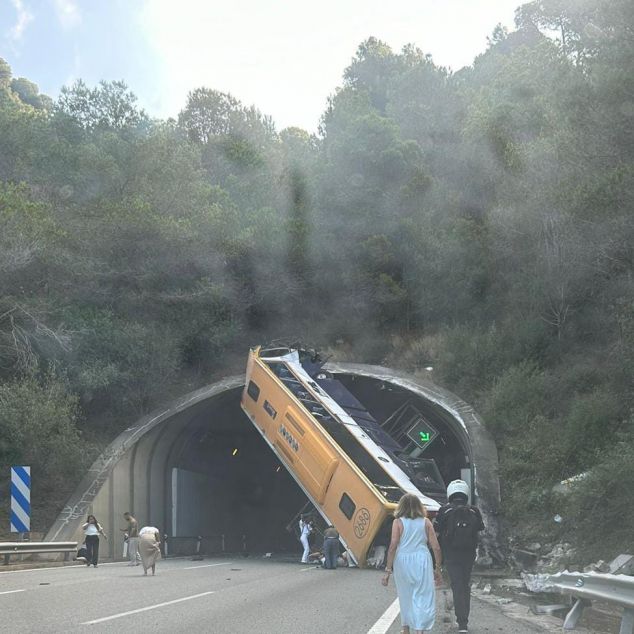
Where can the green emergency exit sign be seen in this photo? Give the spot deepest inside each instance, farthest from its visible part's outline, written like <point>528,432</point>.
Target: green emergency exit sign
<point>422,433</point>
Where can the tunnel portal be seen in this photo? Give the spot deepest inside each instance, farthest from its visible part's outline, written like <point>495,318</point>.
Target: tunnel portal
<point>199,468</point>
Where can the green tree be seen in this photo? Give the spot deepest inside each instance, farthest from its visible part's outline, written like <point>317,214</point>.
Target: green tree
<point>108,106</point>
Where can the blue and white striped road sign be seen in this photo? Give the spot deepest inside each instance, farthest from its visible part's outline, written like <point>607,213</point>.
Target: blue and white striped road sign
<point>20,499</point>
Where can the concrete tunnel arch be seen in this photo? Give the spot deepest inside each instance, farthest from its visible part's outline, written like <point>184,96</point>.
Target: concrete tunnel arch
<point>185,452</point>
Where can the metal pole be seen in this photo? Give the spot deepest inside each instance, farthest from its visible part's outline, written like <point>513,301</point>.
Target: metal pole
<point>574,615</point>
<point>627,622</point>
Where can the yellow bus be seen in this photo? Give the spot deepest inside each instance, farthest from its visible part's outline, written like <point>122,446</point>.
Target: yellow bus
<point>304,416</point>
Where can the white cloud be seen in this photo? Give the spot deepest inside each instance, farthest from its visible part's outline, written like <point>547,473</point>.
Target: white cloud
<point>24,16</point>
<point>287,56</point>
<point>67,13</point>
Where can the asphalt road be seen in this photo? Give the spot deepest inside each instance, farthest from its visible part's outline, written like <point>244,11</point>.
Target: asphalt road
<point>220,595</point>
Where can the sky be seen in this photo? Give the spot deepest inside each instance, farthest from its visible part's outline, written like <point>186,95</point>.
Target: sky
<point>284,57</point>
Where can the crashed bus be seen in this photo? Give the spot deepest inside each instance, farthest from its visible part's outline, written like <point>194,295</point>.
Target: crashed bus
<point>351,470</point>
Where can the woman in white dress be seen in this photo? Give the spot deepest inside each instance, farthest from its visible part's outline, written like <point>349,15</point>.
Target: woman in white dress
<point>414,572</point>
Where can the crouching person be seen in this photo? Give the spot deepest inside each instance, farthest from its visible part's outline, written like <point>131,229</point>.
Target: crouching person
<point>149,548</point>
<point>331,547</point>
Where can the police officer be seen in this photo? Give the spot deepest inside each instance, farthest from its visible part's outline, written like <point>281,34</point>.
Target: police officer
<point>457,525</point>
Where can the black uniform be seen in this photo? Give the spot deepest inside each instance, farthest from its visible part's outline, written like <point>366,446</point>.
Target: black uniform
<point>458,560</point>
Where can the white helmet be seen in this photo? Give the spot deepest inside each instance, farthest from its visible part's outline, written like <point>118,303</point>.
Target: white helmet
<point>458,486</point>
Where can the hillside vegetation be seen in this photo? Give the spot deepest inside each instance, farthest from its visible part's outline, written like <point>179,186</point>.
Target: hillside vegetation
<point>480,222</point>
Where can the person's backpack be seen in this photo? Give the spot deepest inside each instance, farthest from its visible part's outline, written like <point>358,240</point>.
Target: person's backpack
<point>461,528</point>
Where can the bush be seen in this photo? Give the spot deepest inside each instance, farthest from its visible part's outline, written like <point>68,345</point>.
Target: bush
<point>590,425</point>
<point>601,504</point>
<point>38,423</point>
<point>516,398</point>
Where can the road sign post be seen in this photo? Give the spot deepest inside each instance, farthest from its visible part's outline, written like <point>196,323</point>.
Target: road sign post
<point>20,499</point>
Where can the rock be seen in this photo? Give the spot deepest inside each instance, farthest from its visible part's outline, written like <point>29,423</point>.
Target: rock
<point>486,589</point>
<point>484,561</point>
<point>622,565</point>
<point>525,559</point>
<point>599,566</point>
<point>602,566</point>
<point>561,553</point>
<point>537,583</point>
<point>536,547</point>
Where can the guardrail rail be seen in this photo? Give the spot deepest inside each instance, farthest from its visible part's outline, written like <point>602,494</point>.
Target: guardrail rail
<point>588,587</point>
<point>30,548</point>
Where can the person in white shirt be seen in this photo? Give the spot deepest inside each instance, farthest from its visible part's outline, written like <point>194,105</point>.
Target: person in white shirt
<point>305,529</point>
<point>92,530</point>
<point>149,548</point>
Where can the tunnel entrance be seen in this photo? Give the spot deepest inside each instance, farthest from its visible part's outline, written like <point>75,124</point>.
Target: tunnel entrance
<point>225,481</point>
<point>400,411</point>
<point>199,467</point>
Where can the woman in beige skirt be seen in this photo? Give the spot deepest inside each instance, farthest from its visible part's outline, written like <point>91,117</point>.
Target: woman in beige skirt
<point>149,547</point>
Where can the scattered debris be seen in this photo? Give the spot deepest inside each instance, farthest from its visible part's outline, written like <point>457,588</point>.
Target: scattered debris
<point>549,609</point>
<point>622,565</point>
<point>599,566</point>
<point>377,559</point>
<point>537,583</point>
<point>566,486</point>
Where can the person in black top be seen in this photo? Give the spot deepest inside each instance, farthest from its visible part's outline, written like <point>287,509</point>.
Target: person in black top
<point>457,525</point>
<point>331,547</point>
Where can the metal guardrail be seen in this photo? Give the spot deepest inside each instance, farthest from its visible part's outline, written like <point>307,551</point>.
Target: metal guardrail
<point>29,548</point>
<point>201,545</point>
<point>588,587</point>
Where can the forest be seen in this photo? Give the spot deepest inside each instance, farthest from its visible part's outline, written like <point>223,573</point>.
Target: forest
<point>480,222</point>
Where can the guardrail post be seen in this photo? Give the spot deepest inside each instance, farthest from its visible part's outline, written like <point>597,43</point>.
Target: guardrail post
<point>627,622</point>
<point>165,549</point>
<point>222,541</point>
<point>6,558</point>
<point>198,540</point>
<point>572,618</point>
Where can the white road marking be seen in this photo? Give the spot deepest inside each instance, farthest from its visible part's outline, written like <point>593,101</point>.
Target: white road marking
<point>13,591</point>
<point>385,620</point>
<point>149,607</point>
<point>305,569</point>
<point>228,563</point>
<point>79,565</point>
<point>75,567</point>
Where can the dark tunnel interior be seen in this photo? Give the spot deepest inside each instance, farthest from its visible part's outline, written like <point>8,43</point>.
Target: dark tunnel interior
<point>234,484</point>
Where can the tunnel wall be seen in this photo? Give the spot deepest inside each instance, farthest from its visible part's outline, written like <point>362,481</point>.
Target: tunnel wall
<point>130,475</point>
<point>135,472</point>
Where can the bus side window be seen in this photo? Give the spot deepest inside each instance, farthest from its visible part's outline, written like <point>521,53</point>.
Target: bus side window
<point>253,391</point>
<point>347,506</point>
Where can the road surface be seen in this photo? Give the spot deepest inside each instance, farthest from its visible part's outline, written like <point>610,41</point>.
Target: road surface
<point>219,595</point>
